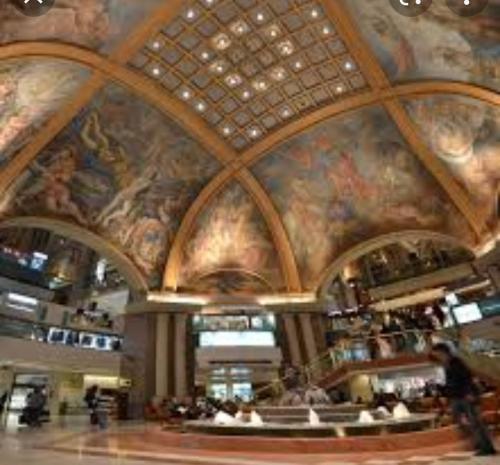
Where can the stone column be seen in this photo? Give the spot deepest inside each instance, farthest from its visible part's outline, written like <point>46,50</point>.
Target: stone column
<point>162,321</point>
<point>308,335</point>
<point>292,339</point>
<point>180,355</point>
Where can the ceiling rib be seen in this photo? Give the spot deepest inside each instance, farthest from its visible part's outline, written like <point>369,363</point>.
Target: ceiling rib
<point>376,77</point>
<point>120,55</point>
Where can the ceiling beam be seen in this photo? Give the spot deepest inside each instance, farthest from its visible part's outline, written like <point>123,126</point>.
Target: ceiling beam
<point>376,77</point>
<point>121,55</point>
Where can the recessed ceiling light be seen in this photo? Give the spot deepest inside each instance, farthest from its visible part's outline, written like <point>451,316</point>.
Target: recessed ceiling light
<point>227,130</point>
<point>260,85</point>
<point>298,65</point>
<point>233,80</point>
<point>348,66</point>
<point>201,106</point>
<point>218,67</point>
<point>186,94</point>
<point>278,73</point>
<point>286,47</point>
<point>314,13</point>
<point>260,17</point>
<point>273,31</point>
<point>246,94</point>
<point>205,56</point>
<point>156,71</point>
<point>326,30</point>
<point>339,89</point>
<point>254,132</point>
<point>239,28</point>
<point>286,112</point>
<point>191,14</point>
<point>156,45</point>
<point>209,2</point>
<point>221,41</point>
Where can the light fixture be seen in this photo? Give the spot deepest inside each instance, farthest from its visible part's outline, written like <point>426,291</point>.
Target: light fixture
<point>239,28</point>
<point>273,31</point>
<point>156,45</point>
<point>227,130</point>
<point>156,71</point>
<point>246,94</point>
<point>186,94</point>
<point>314,13</point>
<point>209,2</point>
<point>254,132</point>
<point>298,65</point>
<point>278,73</point>
<point>260,85</point>
<point>205,56</point>
<point>191,14</point>
<point>286,112</point>
<point>221,41</point>
<point>218,67</point>
<point>348,66</point>
<point>286,47</point>
<point>326,30</point>
<point>201,106</point>
<point>260,17</point>
<point>233,80</point>
<point>339,89</point>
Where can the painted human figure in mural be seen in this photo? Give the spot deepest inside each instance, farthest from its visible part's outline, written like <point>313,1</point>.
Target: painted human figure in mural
<point>53,186</point>
<point>109,151</point>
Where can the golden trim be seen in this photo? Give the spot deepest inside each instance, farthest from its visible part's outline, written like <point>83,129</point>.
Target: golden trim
<point>376,77</point>
<point>326,278</point>
<point>127,268</point>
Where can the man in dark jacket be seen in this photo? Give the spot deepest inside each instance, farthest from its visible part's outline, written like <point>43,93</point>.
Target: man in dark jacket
<point>463,394</point>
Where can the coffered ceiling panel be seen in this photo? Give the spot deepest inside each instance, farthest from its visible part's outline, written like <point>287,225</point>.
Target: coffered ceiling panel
<point>96,24</point>
<point>465,134</point>
<point>248,67</point>
<point>350,179</point>
<point>438,44</point>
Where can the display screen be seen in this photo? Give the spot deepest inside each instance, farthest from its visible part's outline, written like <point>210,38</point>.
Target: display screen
<point>467,313</point>
<point>452,300</point>
<point>237,338</point>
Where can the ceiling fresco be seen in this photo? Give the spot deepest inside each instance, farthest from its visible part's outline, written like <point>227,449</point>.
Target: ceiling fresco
<point>438,44</point>
<point>121,169</point>
<point>231,248</point>
<point>248,73</point>
<point>95,24</point>
<point>31,91</point>
<point>465,134</point>
<point>347,180</point>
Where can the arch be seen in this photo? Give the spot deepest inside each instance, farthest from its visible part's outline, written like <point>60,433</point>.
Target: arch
<point>332,271</point>
<point>125,266</point>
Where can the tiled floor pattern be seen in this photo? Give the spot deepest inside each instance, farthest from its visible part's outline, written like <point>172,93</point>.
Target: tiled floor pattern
<point>77,446</point>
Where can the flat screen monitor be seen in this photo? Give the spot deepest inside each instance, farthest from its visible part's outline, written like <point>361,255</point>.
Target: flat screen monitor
<point>237,339</point>
<point>467,313</point>
<point>452,300</point>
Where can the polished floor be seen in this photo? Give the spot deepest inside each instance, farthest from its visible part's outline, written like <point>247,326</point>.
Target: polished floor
<point>124,445</point>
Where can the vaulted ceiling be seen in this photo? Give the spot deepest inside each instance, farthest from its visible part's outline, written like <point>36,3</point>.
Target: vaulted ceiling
<point>243,146</point>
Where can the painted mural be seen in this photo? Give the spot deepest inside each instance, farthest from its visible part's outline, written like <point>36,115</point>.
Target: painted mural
<point>122,169</point>
<point>231,235</point>
<point>438,44</point>
<point>31,91</point>
<point>465,134</point>
<point>348,180</point>
<point>96,24</point>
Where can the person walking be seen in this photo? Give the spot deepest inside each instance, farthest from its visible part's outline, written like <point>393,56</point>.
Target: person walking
<point>463,394</point>
<point>104,405</point>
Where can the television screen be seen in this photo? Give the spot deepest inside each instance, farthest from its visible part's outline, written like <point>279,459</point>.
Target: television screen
<point>467,313</point>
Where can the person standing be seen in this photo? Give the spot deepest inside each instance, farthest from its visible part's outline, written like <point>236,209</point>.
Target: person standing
<point>104,406</point>
<point>463,395</point>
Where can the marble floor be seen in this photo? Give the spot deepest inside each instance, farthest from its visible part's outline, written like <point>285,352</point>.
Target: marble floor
<point>77,444</point>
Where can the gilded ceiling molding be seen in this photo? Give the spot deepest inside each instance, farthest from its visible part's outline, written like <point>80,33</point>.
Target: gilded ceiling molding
<point>261,198</point>
<point>171,107</point>
<point>327,277</point>
<point>375,76</point>
<point>121,55</point>
<point>124,265</point>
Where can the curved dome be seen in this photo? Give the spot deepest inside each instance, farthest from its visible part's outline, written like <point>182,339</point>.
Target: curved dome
<point>244,147</point>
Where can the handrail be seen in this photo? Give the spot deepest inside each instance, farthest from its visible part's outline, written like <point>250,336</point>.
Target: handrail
<point>307,373</point>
